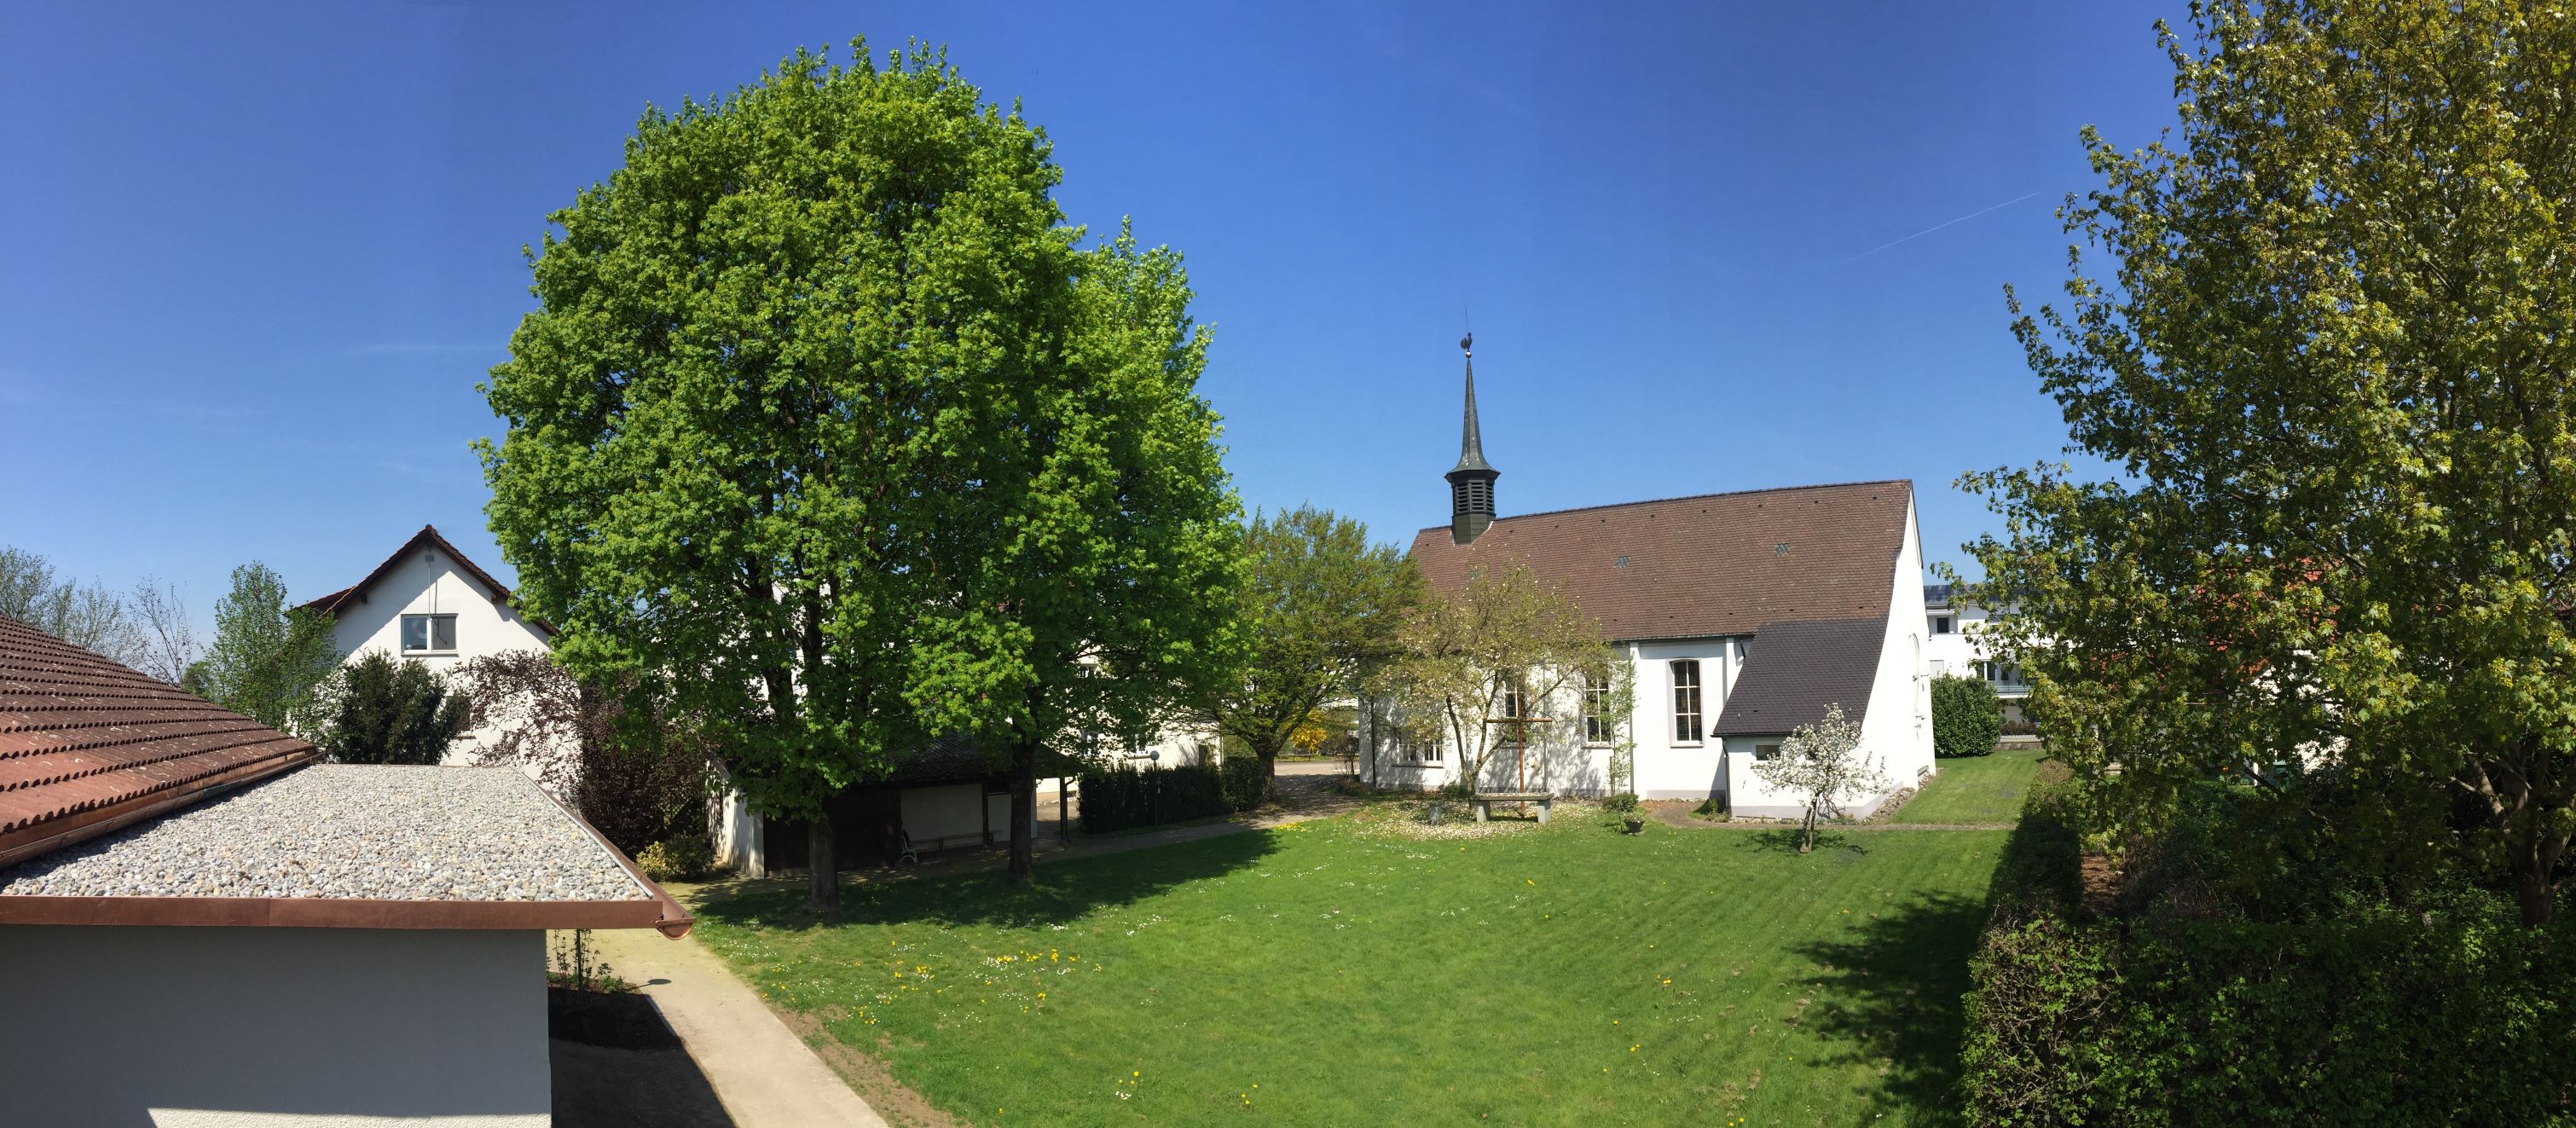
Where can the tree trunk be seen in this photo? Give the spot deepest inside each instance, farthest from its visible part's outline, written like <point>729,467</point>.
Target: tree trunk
<point>1024,810</point>
<point>1269,759</point>
<point>822,868</point>
<point>1807,832</point>
<point>2532,890</point>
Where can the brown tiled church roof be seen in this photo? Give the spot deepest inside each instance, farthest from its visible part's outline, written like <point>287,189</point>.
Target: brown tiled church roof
<point>87,745</point>
<point>1702,567</point>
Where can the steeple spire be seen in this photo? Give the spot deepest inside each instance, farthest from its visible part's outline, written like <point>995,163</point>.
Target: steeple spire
<point>1471,482</point>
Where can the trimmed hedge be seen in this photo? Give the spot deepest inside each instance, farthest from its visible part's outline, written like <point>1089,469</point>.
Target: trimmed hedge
<point>1242,782</point>
<point>1122,798</point>
<point>1966,716</point>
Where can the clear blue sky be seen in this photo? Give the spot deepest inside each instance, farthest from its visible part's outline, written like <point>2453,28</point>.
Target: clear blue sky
<point>256,259</point>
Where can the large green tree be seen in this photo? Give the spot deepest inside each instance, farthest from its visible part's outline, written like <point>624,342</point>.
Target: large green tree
<point>1084,543</point>
<point>785,360</point>
<point>267,659</point>
<point>1502,647</point>
<point>2331,371</point>
<point>1321,609</point>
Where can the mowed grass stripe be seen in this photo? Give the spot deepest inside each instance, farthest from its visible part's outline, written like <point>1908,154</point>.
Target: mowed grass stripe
<point>1976,789</point>
<point>1359,978</point>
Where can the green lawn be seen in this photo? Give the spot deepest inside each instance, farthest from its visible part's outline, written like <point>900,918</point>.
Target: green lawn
<point>1975,789</point>
<point>1336,973</point>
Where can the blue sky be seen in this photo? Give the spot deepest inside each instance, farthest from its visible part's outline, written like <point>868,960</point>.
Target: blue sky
<point>256,259</point>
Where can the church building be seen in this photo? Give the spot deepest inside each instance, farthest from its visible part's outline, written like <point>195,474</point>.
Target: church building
<point>1744,615</point>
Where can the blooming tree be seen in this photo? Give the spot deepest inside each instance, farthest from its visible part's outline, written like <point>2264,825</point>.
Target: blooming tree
<point>1824,763</point>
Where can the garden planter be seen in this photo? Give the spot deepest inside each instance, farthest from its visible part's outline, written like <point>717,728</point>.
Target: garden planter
<point>1636,826</point>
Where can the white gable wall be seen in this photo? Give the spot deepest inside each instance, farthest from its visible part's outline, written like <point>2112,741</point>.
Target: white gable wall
<point>428,582</point>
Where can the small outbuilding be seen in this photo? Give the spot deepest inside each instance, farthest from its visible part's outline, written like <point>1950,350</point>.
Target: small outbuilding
<point>202,927</point>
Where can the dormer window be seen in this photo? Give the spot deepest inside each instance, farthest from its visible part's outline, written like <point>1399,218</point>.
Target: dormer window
<point>429,634</point>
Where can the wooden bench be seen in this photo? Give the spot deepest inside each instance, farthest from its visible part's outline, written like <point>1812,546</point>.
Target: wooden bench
<point>1485,800</point>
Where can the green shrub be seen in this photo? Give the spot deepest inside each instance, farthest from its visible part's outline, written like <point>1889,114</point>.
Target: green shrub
<point>381,711</point>
<point>1966,716</point>
<point>1619,804</point>
<point>685,858</point>
<point>1242,782</point>
<point>1122,798</point>
<point>1457,789</point>
<point>2259,985</point>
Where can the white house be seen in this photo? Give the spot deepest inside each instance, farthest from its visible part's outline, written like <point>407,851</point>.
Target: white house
<point>211,930</point>
<point>1742,615</point>
<point>1958,646</point>
<point>428,601</point>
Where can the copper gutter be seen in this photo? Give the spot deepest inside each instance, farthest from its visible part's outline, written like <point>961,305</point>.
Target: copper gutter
<point>673,921</point>
<point>55,833</point>
<point>334,912</point>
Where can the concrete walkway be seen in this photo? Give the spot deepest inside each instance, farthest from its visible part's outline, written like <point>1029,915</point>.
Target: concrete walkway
<point>766,1076</point>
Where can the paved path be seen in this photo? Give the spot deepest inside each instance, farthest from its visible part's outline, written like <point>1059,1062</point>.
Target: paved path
<point>766,1076</point>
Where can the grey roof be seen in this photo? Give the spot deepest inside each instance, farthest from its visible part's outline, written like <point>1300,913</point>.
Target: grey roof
<point>1936,596</point>
<point>1798,668</point>
<point>349,831</point>
<point>1471,438</point>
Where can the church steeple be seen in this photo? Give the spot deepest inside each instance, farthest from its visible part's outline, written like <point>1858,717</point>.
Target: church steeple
<point>1471,482</point>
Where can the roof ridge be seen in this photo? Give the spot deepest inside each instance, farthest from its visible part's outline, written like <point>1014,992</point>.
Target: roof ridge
<point>1908,483</point>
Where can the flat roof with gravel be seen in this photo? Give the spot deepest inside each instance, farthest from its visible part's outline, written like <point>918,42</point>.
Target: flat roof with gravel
<point>348,831</point>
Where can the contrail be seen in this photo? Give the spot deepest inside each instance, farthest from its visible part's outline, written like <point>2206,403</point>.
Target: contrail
<point>1935,227</point>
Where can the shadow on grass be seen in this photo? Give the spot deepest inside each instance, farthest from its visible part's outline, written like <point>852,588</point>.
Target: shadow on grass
<point>1893,996</point>
<point>1785,841</point>
<point>1062,891</point>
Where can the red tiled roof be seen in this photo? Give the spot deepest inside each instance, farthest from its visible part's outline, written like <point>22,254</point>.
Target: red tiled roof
<point>426,537</point>
<point>1702,567</point>
<point>87,745</point>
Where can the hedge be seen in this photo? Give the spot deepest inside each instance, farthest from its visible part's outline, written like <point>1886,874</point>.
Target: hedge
<point>1966,716</point>
<point>1242,782</point>
<point>1122,798</point>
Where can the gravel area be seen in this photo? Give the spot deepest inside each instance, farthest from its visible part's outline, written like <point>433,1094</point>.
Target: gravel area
<point>347,831</point>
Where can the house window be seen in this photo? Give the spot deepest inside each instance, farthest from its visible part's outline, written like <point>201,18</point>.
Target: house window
<point>428,634</point>
<point>1766,751</point>
<point>2003,673</point>
<point>1942,624</point>
<point>1686,701</point>
<point>1596,709</point>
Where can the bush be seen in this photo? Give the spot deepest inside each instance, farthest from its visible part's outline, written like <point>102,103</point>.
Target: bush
<point>1242,782</point>
<point>1457,789</point>
<point>1966,716</point>
<point>1122,798</point>
<point>2248,980</point>
<point>1619,804</point>
<point>685,858</point>
<point>2020,728</point>
<point>380,711</point>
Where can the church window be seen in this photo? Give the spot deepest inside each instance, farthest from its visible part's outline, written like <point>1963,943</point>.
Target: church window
<point>1686,706</point>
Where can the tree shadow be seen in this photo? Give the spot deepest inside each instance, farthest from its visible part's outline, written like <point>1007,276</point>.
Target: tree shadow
<point>1063,890</point>
<point>1785,841</point>
<point>1894,995</point>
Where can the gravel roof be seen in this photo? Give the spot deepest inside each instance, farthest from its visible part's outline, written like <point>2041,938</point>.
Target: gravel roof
<point>348,831</point>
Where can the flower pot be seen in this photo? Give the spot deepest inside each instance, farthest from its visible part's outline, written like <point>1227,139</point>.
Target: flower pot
<point>1636,826</point>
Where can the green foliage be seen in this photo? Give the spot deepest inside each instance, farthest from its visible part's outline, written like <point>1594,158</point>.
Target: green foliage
<point>2277,984</point>
<point>1619,804</point>
<point>1318,612</point>
<point>1123,798</point>
<point>267,660</point>
<point>1457,789</point>
<point>1967,717</point>
<point>827,430</point>
<point>2331,370</point>
<point>1243,782</point>
<point>375,710</point>
<point>684,858</point>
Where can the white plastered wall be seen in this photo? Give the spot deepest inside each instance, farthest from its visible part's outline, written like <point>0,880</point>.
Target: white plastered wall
<point>274,1028</point>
